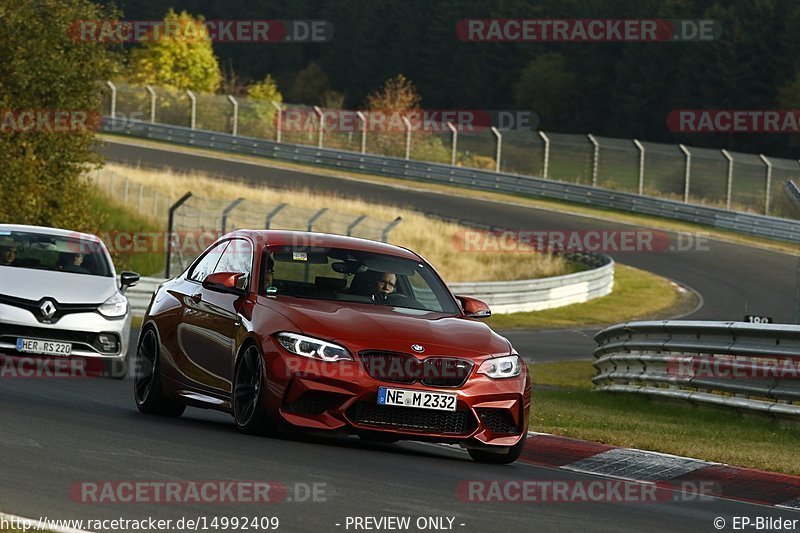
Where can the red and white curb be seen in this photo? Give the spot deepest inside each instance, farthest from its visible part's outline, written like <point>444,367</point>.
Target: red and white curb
<point>668,471</point>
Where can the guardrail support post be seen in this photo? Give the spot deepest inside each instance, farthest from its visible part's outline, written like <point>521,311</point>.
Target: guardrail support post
<point>193,98</point>
<point>546,163</point>
<point>455,143</point>
<point>170,225</point>
<point>272,214</point>
<point>315,217</point>
<point>235,117</point>
<point>768,163</point>
<point>729,183</point>
<point>355,223</point>
<point>499,152</point>
<point>278,121</point>
<point>688,172</point>
<point>390,227</point>
<point>226,212</point>
<point>152,93</point>
<point>408,137</point>
<point>797,294</point>
<point>640,146</point>
<point>320,116</point>
<point>363,119</point>
<point>113,99</point>
<point>595,158</point>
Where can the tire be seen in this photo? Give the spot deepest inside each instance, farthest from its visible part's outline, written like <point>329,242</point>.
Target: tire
<point>483,456</point>
<point>147,389</point>
<point>247,399</point>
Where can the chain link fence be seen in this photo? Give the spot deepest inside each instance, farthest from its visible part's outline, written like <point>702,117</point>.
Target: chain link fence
<point>197,221</point>
<point>730,180</point>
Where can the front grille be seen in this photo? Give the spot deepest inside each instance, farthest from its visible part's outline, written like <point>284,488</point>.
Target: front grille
<point>35,307</point>
<point>405,368</point>
<point>82,339</point>
<point>408,418</point>
<point>312,403</point>
<point>498,420</point>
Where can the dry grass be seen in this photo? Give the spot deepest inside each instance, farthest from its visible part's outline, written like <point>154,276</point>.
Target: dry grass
<point>437,240</point>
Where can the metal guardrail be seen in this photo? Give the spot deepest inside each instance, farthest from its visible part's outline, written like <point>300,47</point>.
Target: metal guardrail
<point>502,297</point>
<point>751,224</point>
<point>753,367</point>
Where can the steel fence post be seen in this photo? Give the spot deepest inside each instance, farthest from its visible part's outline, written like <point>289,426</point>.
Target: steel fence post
<point>363,119</point>
<point>315,217</point>
<point>595,158</point>
<point>193,98</point>
<point>729,183</point>
<point>455,143</point>
<point>546,162</point>
<point>125,194</point>
<point>152,93</point>
<point>235,117</point>
<point>768,191</point>
<point>278,121</point>
<point>113,99</point>
<point>499,151</point>
<point>687,174</point>
<point>226,212</point>
<point>640,146</point>
<point>321,118</point>
<point>272,214</point>
<point>390,227</point>
<point>170,225</point>
<point>355,223</point>
<point>141,197</point>
<point>408,137</point>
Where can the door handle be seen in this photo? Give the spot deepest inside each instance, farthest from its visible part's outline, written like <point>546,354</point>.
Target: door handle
<point>197,298</point>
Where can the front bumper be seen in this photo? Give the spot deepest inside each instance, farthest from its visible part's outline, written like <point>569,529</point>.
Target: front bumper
<point>80,329</point>
<point>343,396</point>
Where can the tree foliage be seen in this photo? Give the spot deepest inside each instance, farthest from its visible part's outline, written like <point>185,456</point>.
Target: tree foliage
<point>45,68</point>
<point>182,60</point>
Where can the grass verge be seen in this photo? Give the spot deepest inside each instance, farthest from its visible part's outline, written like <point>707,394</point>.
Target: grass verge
<point>522,200</point>
<point>637,294</point>
<point>564,404</point>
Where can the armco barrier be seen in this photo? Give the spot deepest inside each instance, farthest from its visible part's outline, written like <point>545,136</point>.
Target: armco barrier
<point>747,223</point>
<point>502,297</point>
<point>753,367</point>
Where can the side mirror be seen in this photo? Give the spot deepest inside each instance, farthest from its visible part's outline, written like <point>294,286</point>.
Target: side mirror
<point>224,282</point>
<point>127,279</point>
<point>474,308</point>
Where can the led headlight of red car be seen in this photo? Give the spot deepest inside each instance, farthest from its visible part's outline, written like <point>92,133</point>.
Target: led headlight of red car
<point>313,348</point>
<point>508,366</point>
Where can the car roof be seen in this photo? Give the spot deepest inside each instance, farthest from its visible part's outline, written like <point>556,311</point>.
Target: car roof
<point>327,240</point>
<point>56,232</point>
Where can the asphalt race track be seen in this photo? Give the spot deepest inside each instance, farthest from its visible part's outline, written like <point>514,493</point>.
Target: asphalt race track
<point>58,434</point>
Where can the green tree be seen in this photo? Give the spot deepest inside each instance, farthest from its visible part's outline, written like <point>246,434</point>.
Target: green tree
<point>46,68</point>
<point>259,118</point>
<point>547,86</point>
<point>309,85</point>
<point>182,60</point>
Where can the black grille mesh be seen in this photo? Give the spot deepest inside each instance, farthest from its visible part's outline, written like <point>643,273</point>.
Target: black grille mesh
<point>408,418</point>
<point>10,333</point>
<point>498,420</point>
<point>312,403</point>
<point>405,368</point>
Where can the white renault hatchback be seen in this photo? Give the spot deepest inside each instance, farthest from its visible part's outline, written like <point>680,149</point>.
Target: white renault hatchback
<point>59,297</point>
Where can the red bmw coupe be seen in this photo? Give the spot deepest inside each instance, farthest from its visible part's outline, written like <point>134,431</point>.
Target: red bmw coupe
<point>324,332</point>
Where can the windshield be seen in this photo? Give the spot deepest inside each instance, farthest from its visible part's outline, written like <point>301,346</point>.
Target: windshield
<point>41,251</point>
<point>354,276</point>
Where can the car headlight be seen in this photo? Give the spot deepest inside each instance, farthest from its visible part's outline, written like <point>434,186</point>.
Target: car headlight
<point>313,348</point>
<point>507,366</point>
<point>114,307</point>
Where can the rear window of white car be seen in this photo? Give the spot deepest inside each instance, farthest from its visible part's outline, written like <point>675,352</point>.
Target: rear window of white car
<point>40,251</point>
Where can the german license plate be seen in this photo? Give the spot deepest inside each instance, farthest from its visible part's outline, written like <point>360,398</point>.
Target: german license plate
<point>43,347</point>
<point>440,401</point>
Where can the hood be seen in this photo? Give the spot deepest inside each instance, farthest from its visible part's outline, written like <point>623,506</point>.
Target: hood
<point>63,287</point>
<point>380,327</point>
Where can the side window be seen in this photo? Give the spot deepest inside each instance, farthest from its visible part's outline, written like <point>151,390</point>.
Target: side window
<point>207,263</point>
<point>237,257</point>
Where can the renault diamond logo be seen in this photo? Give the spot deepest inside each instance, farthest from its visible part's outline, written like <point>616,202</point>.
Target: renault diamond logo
<point>417,348</point>
<point>48,309</point>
